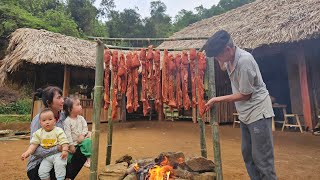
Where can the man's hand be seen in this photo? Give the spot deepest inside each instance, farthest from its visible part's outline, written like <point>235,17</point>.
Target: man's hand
<point>210,104</point>
<point>72,149</point>
<point>80,138</point>
<point>25,155</point>
<point>59,148</point>
<point>64,154</point>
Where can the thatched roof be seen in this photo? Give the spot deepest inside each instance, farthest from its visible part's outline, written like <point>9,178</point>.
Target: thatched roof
<point>263,22</point>
<point>45,47</point>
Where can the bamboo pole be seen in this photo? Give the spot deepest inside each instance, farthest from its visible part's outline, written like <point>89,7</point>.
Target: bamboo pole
<point>97,111</point>
<point>213,120</point>
<point>110,127</point>
<point>148,39</point>
<point>138,48</point>
<point>203,143</point>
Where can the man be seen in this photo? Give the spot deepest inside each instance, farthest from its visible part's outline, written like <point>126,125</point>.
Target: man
<point>252,102</point>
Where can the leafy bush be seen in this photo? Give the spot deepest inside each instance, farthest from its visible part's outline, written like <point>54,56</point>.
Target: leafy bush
<point>22,106</point>
<point>8,118</point>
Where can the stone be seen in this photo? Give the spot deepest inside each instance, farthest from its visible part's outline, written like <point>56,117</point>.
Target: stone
<point>200,164</point>
<point>205,176</point>
<point>131,177</point>
<point>181,173</point>
<point>126,158</point>
<point>175,158</point>
<point>114,171</point>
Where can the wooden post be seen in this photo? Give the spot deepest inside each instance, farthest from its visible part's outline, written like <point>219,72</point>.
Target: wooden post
<point>110,126</point>
<point>66,81</point>
<point>306,101</point>
<point>213,120</point>
<point>97,111</point>
<point>203,144</point>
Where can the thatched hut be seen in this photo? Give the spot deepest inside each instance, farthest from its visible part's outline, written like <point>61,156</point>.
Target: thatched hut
<point>41,58</point>
<point>284,36</point>
<point>43,53</point>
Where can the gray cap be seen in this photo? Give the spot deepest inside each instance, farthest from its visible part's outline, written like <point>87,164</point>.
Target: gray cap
<point>216,43</point>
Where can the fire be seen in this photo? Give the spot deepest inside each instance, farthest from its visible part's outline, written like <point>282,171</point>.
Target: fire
<point>161,172</point>
<point>136,167</point>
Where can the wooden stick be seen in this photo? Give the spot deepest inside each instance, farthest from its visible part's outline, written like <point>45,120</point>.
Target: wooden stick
<point>97,111</point>
<point>213,121</point>
<point>110,127</point>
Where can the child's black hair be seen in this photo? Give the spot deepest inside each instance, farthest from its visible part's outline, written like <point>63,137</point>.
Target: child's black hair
<point>44,111</point>
<point>67,106</point>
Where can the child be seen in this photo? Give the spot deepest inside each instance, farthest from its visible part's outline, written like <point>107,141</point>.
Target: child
<point>76,129</point>
<point>49,136</point>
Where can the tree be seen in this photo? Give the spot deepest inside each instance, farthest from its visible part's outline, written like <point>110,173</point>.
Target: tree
<point>184,18</point>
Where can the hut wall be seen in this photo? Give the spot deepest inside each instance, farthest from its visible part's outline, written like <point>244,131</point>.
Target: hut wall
<point>313,63</point>
<point>223,87</point>
<point>294,83</point>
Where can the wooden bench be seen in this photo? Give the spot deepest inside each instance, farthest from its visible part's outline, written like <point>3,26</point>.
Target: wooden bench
<point>235,119</point>
<point>294,124</point>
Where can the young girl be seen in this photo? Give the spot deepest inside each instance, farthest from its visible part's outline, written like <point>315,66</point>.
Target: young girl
<point>76,129</point>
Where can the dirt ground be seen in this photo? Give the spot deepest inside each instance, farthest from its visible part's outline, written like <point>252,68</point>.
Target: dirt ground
<point>297,156</point>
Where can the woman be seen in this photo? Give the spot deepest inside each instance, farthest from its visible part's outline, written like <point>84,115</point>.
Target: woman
<point>52,98</point>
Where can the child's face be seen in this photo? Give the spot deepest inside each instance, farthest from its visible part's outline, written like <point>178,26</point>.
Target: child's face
<point>47,120</point>
<point>76,108</point>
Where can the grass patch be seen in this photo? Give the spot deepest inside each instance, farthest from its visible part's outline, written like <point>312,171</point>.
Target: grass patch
<point>7,118</point>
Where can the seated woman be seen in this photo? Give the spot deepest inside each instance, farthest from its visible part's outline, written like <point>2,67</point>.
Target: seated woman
<point>52,99</point>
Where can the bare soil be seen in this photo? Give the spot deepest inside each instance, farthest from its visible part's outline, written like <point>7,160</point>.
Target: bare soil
<point>297,156</point>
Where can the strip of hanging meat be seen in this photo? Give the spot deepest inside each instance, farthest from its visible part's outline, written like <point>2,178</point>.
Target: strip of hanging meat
<point>151,83</point>
<point>193,56</point>
<point>171,68</point>
<point>165,77</point>
<point>135,76</point>
<point>184,77</point>
<point>114,84</point>
<point>178,81</point>
<point>106,97</point>
<point>144,98</point>
<point>157,75</point>
<point>200,78</point>
<point>122,73</point>
<point>129,93</point>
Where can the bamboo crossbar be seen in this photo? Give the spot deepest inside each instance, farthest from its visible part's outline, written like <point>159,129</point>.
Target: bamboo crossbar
<point>147,39</point>
<point>139,48</point>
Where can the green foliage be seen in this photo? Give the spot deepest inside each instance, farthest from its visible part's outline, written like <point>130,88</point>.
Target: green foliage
<point>10,118</point>
<point>61,23</point>
<point>22,106</point>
